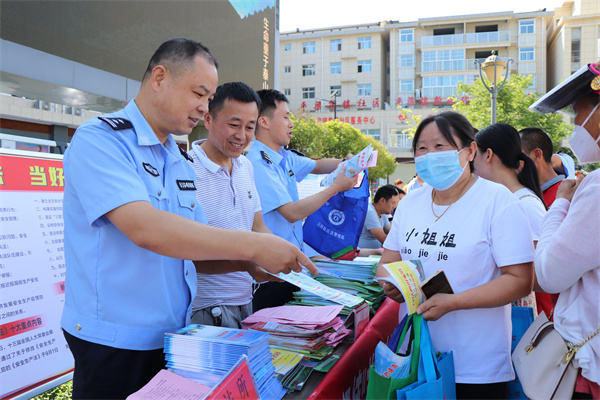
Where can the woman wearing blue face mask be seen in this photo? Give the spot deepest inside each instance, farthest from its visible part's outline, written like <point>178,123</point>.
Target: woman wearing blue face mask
<point>477,232</point>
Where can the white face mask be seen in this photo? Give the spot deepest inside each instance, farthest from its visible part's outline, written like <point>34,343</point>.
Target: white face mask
<point>583,144</point>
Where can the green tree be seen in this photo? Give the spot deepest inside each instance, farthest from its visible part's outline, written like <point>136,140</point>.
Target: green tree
<point>413,120</point>
<point>512,107</point>
<point>335,139</point>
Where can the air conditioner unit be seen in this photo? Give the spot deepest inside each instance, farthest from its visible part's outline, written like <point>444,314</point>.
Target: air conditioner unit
<point>44,105</point>
<point>67,110</point>
<point>77,111</point>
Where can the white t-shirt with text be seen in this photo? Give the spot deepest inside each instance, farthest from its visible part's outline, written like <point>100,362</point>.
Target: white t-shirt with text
<point>485,229</point>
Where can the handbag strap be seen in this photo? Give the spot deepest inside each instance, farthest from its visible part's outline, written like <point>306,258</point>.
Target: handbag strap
<point>574,348</point>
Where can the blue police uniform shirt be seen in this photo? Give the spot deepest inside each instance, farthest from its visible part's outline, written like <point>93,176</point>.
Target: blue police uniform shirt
<point>276,175</point>
<point>118,294</point>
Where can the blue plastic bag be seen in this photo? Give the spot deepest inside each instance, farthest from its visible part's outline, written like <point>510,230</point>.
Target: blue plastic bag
<point>436,375</point>
<point>522,318</point>
<point>339,222</point>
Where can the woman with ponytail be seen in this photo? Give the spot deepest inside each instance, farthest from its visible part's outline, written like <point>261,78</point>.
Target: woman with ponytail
<point>499,158</point>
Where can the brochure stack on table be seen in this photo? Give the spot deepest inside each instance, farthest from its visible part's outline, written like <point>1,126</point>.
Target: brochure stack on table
<point>351,277</point>
<point>312,332</point>
<point>205,354</point>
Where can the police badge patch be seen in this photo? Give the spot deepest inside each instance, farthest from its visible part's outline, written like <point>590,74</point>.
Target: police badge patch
<point>150,169</point>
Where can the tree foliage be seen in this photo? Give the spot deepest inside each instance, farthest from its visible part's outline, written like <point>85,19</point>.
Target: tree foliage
<point>512,107</point>
<point>335,139</point>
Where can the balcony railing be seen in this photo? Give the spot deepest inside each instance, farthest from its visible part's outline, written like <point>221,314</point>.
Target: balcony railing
<point>488,37</point>
<point>450,65</point>
<point>460,38</point>
<point>402,140</point>
<point>442,40</point>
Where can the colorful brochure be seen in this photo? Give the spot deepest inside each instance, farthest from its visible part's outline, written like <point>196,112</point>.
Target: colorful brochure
<point>366,158</point>
<point>390,365</point>
<point>307,283</point>
<point>407,277</point>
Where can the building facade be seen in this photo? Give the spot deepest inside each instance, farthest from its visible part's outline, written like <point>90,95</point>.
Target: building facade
<point>374,69</point>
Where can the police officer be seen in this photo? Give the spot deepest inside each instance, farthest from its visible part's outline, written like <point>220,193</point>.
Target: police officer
<point>131,219</point>
<point>277,172</point>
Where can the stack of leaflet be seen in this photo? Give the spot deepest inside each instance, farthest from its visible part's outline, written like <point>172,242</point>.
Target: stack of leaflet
<point>206,353</point>
<point>310,331</point>
<point>352,277</point>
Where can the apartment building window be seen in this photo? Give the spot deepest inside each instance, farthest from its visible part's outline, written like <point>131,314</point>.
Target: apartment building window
<point>443,60</point>
<point>406,35</point>
<point>364,43</point>
<point>336,45</point>
<point>443,86</point>
<point>526,27</point>
<point>374,133</point>
<point>308,47</point>
<point>364,66</point>
<point>336,68</point>
<point>287,69</point>
<point>364,90</point>
<point>308,70</point>
<point>287,92</point>
<point>575,49</point>
<point>526,54</point>
<point>308,93</point>
<point>287,47</point>
<point>407,86</point>
<point>407,60</point>
<point>334,88</point>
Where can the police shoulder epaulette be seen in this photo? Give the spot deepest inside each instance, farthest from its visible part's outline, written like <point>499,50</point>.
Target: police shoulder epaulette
<point>265,157</point>
<point>297,152</point>
<point>117,123</point>
<point>186,155</point>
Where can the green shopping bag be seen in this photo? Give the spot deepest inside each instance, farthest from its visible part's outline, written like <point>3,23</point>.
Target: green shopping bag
<point>380,387</point>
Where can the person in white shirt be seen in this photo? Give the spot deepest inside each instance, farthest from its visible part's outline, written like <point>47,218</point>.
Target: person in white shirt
<point>567,258</point>
<point>225,189</point>
<point>500,159</point>
<point>477,232</point>
<point>377,223</point>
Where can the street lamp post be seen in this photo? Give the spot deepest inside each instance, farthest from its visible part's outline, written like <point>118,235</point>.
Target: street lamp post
<point>335,94</point>
<point>493,69</point>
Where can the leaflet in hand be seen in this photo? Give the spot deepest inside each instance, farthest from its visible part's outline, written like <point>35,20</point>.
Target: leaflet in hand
<point>390,365</point>
<point>307,283</point>
<point>366,158</point>
<point>407,277</point>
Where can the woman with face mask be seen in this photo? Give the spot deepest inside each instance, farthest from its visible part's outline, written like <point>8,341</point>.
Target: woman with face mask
<point>567,258</point>
<point>477,232</point>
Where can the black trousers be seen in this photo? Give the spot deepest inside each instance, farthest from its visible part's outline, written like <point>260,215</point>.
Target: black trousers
<point>273,294</point>
<point>104,372</point>
<point>482,391</point>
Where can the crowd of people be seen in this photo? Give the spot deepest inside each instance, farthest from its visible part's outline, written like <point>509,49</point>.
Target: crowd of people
<point>157,237</point>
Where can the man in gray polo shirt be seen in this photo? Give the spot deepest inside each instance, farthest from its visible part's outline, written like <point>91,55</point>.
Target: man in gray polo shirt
<point>225,189</point>
<point>377,224</point>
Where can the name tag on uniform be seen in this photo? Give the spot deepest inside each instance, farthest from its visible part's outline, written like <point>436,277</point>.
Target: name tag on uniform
<point>186,185</point>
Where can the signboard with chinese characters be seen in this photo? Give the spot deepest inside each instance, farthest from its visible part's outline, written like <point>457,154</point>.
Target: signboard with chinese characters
<point>32,271</point>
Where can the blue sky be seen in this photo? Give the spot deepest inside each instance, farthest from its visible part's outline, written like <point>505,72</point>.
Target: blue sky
<point>311,14</point>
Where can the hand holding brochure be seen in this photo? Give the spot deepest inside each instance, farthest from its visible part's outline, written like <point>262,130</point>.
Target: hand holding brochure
<point>307,283</point>
<point>366,158</point>
<point>408,277</point>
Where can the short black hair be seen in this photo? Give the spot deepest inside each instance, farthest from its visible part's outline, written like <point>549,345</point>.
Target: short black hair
<point>238,91</point>
<point>178,51</point>
<point>537,138</point>
<point>386,192</point>
<point>448,122</point>
<point>269,99</point>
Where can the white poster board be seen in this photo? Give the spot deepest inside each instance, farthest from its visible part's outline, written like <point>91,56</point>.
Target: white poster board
<point>33,351</point>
